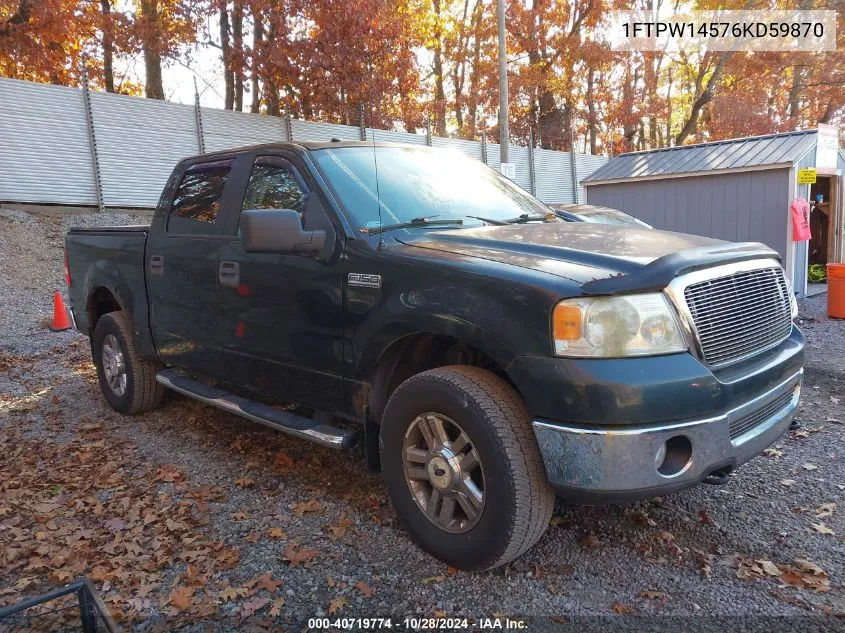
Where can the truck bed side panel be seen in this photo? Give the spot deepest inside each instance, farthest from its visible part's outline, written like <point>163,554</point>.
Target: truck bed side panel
<point>112,259</point>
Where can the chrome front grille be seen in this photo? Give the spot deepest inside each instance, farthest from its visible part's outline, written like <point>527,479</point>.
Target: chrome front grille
<point>756,418</point>
<point>741,314</point>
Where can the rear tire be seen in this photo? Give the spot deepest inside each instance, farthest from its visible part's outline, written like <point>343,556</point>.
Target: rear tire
<point>484,420</point>
<point>127,381</point>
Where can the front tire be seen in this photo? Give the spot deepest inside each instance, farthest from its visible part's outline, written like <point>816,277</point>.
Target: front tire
<point>127,381</point>
<point>463,468</point>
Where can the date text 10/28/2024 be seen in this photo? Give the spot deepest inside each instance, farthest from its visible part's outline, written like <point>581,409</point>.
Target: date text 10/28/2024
<point>418,624</point>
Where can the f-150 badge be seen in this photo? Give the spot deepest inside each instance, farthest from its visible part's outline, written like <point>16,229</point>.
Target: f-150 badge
<point>364,280</point>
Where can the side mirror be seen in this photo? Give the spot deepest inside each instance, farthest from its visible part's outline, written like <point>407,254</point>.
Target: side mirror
<point>278,231</point>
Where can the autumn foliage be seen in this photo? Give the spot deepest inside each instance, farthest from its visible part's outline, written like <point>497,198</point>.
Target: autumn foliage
<point>408,64</point>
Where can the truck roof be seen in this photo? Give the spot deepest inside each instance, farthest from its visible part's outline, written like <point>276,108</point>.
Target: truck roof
<point>302,145</point>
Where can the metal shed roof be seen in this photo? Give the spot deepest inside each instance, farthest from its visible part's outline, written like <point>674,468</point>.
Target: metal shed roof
<point>742,153</point>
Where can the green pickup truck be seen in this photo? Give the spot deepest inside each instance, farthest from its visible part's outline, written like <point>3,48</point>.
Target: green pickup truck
<point>487,353</point>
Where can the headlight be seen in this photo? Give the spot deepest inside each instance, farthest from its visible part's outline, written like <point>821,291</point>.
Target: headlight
<point>633,325</point>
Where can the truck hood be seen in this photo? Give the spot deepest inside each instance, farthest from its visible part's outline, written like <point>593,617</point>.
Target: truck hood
<point>604,259</point>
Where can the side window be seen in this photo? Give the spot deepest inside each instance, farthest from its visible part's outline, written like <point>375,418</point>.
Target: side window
<point>273,186</point>
<point>196,203</point>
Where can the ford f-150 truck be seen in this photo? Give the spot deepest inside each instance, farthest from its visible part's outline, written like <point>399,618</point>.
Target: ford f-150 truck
<point>488,354</point>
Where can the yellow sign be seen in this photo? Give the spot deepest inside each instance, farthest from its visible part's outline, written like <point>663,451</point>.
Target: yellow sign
<point>807,176</point>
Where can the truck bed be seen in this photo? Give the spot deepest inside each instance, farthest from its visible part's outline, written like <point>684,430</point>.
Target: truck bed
<point>109,258</point>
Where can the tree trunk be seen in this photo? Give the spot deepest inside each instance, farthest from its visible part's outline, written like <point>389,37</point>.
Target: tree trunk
<point>439,92</point>
<point>829,111</point>
<point>21,16</point>
<point>669,110</point>
<point>704,98</point>
<point>228,75</point>
<point>238,45</point>
<point>151,48</point>
<point>472,110</point>
<point>257,47</point>
<point>271,88</point>
<point>798,77</point>
<point>108,45</point>
<point>591,111</point>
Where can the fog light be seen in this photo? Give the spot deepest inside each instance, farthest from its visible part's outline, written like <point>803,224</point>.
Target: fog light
<point>677,456</point>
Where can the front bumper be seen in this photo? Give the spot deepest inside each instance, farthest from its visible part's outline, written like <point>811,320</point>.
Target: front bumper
<point>608,464</point>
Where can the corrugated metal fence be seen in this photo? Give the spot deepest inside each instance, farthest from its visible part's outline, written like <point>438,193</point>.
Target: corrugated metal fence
<point>63,145</point>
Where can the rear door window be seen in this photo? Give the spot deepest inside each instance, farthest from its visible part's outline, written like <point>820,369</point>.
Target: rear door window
<point>196,204</point>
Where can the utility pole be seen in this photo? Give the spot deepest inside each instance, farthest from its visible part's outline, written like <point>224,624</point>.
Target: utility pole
<point>503,84</point>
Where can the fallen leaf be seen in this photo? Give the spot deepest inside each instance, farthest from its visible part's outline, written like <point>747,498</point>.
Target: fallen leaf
<point>297,556</point>
<point>589,540</point>
<point>168,474</point>
<point>233,593</point>
<point>240,516</point>
<point>556,521</point>
<point>313,505</point>
<point>622,609</point>
<point>769,567</point>
<point>658,596</point>
<point>244,482</point>
<point>337,604</point>
<point>265,581</point>
<point>643,519</point>
<point>772,452</point>
<point>809,566</point>
<point>821,528</point>
<point>276,532</point>
<point>809,466</point>
<point>282,460</point>
<point>787,482</point>
<point>431,579</point>
<point>834,399</point>
<point>115,524</point>
<point>182,598</point>
<point>251,606</point>
<point>825,510</point>
<point>364,588</point>
<point>276,608</point>
<point>835,421</point>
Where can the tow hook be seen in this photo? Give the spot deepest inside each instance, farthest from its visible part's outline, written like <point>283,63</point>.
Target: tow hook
<point>718,477</point>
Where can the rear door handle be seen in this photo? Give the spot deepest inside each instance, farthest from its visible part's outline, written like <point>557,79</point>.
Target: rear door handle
<point>157,265</point>
<point>229,274</point>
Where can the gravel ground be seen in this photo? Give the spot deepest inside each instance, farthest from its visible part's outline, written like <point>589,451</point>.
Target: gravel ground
<point>319,523</point>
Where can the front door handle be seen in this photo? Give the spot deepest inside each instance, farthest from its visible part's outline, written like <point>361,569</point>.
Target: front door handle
<point>229,274</point>
<point>156,265</point>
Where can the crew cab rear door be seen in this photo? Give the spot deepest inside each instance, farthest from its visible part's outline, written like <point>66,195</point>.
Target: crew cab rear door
<point>181,264</point>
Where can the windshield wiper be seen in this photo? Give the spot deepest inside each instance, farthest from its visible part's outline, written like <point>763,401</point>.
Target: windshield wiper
<point>407,225</point>
<point>530,217</point>
<point>490,220</point>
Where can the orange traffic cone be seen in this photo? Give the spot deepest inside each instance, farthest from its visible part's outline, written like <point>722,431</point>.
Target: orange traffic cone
<point>61,320</point>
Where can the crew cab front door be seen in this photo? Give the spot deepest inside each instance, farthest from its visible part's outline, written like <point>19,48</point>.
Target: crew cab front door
<point>282,314</point>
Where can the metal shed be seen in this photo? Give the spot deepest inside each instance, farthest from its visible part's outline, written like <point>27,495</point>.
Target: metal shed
<point>738,190</point>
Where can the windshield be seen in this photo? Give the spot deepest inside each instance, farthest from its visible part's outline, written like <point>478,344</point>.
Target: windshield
<point>421,183</point>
